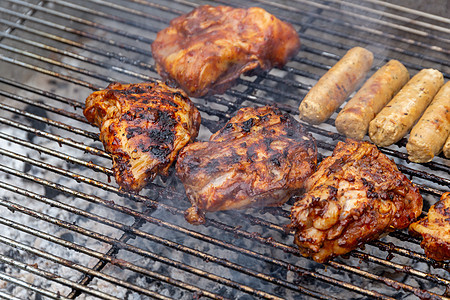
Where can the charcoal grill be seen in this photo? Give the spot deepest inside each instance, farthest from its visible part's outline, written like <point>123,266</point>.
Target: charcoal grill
<point>69,232</point>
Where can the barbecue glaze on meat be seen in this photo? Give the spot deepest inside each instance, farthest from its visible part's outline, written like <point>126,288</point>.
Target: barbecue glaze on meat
<point>355,196</point>
<point>435,229</point>
<point>260,158</point>
<point>142,126</point>
<point>205,50</point>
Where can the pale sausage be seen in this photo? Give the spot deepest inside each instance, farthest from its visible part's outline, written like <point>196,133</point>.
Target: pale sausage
<point>353,120</point>
<point>430,133</point>
<point>399,115</point>
<point>335,86</point>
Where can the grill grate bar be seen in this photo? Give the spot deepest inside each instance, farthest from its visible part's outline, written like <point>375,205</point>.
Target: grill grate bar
<point>74,103</point>
<point>31,287</point>
<point>77,267</point>
<point>158,222</point>
<point>122,9</point>
<point>72,18</point>
<point>84,232</point>
<point>366,18</point>
<point>393,16</point>
<point>401,268</point>
<point>6,296</point>
<point>55,137</point>
<point>51,276</point>
<point>57,154</point>
<point>48,108</point>
<point>44,120</point>
<point>101,264</point>
<point>142,252</point>
<point>411,11</point>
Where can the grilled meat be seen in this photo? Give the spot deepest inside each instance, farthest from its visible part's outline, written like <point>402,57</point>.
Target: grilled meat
<point>205,50</point>
<point>435,229</point>
<point>142,126</point>
<point>260,158</point>
<point>355,196</point>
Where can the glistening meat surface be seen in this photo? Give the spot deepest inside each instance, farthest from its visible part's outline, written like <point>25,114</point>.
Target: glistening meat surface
<point>355,196</point>
<point>435,229</point>
<point>142,126</point>
<point>206,50</point>
<point>260,158</point>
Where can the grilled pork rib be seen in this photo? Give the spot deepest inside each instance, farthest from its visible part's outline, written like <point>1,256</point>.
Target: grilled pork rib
<point>435,229</point>
<point>355,196</point>
<point>260,158</point>
<point>142,126</point>
<point>205,50</point>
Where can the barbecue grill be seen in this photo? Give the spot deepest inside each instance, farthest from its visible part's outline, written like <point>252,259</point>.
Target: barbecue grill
<point>68,232</point>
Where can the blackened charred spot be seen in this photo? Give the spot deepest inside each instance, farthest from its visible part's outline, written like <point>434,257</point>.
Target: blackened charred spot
<point>284,118</point>
<point>128,116</point>
<point>135,89</point>
<point>228,127</point>
<point>290,131</point>
<point>267,142</point>
<point>212,166</point>
<point>159,152</point>
<point>163,136</point>
<point>247,125</point>
<point>264,118</point>
<point>133,131</point>
<point>333,191</point>
<point>166,119</point>
<point>275,161</point>
<point>232,159</point>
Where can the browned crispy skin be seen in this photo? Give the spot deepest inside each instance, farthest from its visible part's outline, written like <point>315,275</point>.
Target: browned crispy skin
<point>356,195</point>
<point>260,158</point>
<point>142,126</point>
<point>206,50</point>
<point>435,230</point>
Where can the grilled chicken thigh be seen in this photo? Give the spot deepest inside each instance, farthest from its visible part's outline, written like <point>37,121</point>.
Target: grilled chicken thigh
<point>142,126</point>
<point>260,158</point>
<point>205,50</point>
<point>355,196</point>
<point>435,229</point>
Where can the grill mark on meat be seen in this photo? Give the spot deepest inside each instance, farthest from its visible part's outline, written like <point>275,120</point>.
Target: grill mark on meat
<point>142,126</point>
<point>249,162</point>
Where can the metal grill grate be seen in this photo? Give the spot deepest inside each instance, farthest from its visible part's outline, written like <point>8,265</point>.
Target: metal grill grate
<point>67,231</point>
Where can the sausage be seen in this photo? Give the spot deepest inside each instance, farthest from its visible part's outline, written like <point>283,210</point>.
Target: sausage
<point>446,148</point>
<point>400,114</point>
<point>353,120</point>
<point>430,133</point>
<point>335,86</point>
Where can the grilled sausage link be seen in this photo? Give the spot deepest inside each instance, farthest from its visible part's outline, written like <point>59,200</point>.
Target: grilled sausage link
<point>429,134</point>
<point>400,114</point>
<point>335,86</point>
<point>353,120</point>
<point>446,148</point>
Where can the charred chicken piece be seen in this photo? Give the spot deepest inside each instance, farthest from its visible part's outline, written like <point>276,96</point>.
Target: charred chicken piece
<point>355,196</point>
<point>205,50</point>
<point>435,230</point>
<point>142,126</point>
<point>260,158</point>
